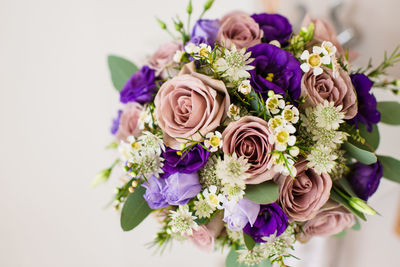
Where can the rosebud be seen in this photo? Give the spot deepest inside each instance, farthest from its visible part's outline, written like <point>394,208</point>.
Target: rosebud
<point>361,206</point>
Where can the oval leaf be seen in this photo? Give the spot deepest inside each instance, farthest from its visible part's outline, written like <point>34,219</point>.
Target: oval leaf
<point>359,154</point>
<point>264,193</point>
<point>231,261</point>
<point>135,210</point>
<point>391,168</point>
<point>390,112</point>
<point>372,138</point>
<point>249,241</point>
<point>121,70</point>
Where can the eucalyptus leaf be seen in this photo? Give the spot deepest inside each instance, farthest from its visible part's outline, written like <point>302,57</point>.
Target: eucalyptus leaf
<point>372,138</point>
<point>249,241</point>
<point>135,209</point>
<point>390,112</point>
<point>391,168</point>
<point>356,226</point>
<point>341,234</point>
<point>232,261</point>
<point>264,193</point>
<point>121,70</point>
<point>359,154</point>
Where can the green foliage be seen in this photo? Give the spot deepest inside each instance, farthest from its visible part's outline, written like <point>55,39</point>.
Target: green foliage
<point>356,226</point>
<point>298,43</point>
<point>391,168</point>
<point>359,154</point>
<point>232,260</point>
<point>372,138</point>
<point>104,175</point>
<point>249,241</point>
<point>341,197</point>
<point>388,61</point>
<point>264,193</point>
<point>135,210</point>
<point>390,112</point>
<point>121,70</point>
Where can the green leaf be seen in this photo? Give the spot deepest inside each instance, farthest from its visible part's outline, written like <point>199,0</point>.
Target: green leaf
<point>391,168</point>
<point>264,193</point>
<point>249,241</point>
<point>390,112</point>
<point>344,183</point>
<point>359,154</point>
<point>231,261</point>
<point>338,198</point>
<point>356,226</point>
<point>135,209</point>
<point>121,70</point>
<point>372,138</point>
<point>341,234</point>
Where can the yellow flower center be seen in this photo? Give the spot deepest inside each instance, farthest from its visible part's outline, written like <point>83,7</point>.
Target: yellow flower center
<point>282,137</point>
<point>276,122</point>
<point>314,60</point>
<point>272,103</point>
<point>136,145</point>
<point>328,49</point>
<point>203,52</point>
<point>214,141</point>
<point>270,77</point>
<point>213,199</point>
<point>288,114</point>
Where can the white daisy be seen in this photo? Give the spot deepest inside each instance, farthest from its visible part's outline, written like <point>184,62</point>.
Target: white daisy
<point>290,114</point>
<point>314,60</point>
<point>328,49</point>
<point>213,141</point>
<point>284,137</point>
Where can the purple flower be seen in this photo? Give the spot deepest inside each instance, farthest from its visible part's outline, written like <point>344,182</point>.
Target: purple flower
<point>192,161</point>
<point>270,220</point>
<point>238,214</point>
<point>205,31</point>
<point>365,179</point>
<point>115,123</point>
<point>276,70</point>
<point>155,193</point>
<point>274,26</point>
<point>181,188</point>
<point>367,111</point>
<point>141,87</point>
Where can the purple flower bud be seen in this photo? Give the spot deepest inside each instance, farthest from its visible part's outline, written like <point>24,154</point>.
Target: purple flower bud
<point>141,87</point>
<point>365,179</point>
<point>205,30</point>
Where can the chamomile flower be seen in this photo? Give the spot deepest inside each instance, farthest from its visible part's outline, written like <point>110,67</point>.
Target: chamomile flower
<point>213,199</point>
<point>182,221</point>
<point>245,87</point>
<point>328,116</point>
<point>235,64</point>
<point>234,112</point>
<point>274,102</point>
<point>314,60</point>
<point>284,137</point>
<point>204,50</point>
<point>178,56</point>
<point>191,48</point>
<point>321,159</point>
<point>328,49</point>
<point>233,170</point>
<point>202,208</point>
<point>213,141</point>
<point>290,114</point>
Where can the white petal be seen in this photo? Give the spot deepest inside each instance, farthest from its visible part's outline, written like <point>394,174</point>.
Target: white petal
<point>326,60</point>
<point>317,50</point>
<point>317,71</point>
<point>305,67</point>
<point>292,140</point>
<point>305,55</point>
<point>280,147</point>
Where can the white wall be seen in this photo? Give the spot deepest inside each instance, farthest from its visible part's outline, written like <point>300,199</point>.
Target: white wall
<point>56,103</point>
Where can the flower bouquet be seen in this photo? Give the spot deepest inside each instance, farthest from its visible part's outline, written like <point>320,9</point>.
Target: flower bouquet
<point>241,133</point>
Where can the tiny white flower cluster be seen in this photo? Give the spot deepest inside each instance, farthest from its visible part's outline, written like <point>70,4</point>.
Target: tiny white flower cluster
<point>282,126</point>
<point>232,171</point>
<point>145,151</point>
<point>182,221</point>
<point>321,55</point>
<point>323,123</point>
<point>207,202</point>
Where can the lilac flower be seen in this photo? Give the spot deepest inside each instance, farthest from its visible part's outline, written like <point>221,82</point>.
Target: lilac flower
<point>115,123</point>
<point>205,31</point>
<point>365,179</point>
<point>270,220</point>
<point>274,26</point>
<point>155,193</point>
<point>367,105</point>
<point>276,70</point>
<point>238,214</point>
<point>141,87</point>
<point>189,162</point>
<point>181,188</point>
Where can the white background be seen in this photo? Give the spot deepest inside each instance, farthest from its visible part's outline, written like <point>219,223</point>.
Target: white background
<point>56,103</point>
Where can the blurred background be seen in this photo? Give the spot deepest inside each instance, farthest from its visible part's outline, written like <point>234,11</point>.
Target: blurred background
<point>56,105</point>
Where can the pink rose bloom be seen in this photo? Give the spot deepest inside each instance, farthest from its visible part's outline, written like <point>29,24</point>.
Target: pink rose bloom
<point>240,29</point>
<point>250,137</point>
<point>162,60</point>
<point>205,235</point>
<point>188,104</point>
<point>301,198</point>
<point>339,90</point>
<point>129,121</point>
<point>327,222</point>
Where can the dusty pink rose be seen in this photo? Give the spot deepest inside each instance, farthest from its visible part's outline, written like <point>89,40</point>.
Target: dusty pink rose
<point>190,103</point>
<point>301,198</point>
<point>205,235</point>
<point>326,223</point>
<point>240,29</point>
<point>162,59</point>
<point>129,121</point>
<point>339,89</point>
<point>250,137</point>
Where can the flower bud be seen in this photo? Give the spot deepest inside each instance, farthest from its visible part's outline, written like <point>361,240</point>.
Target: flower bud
<point>102,177</point>
<point>162,24</point>
<point>361,206</point>
<point>189,8</point>
<point>208,5</point>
